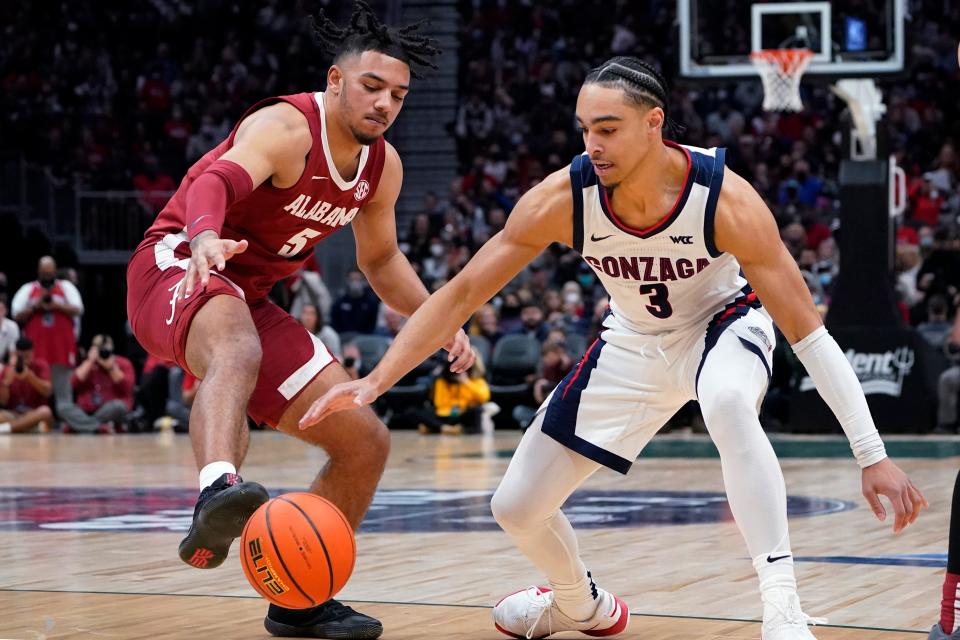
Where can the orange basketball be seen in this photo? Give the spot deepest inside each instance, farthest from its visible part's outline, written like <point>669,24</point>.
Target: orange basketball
<point>297,550</point>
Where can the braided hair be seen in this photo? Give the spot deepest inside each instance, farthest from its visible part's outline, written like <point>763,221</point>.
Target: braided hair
<point>365,32</point>
<point>640,81</point>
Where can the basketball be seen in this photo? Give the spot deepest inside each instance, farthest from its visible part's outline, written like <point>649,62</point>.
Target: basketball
<point>297,550</point>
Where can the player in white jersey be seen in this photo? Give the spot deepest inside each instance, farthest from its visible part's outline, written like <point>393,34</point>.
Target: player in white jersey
<point>675,238</point>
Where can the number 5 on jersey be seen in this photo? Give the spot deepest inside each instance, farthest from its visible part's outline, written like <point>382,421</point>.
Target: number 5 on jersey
<point>295,245</point>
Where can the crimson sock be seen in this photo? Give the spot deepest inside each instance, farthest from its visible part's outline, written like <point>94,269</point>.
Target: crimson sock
<point>950,605</point>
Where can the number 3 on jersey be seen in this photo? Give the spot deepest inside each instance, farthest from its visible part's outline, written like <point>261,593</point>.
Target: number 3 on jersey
<point>295,245</point>
<point>659,306</point>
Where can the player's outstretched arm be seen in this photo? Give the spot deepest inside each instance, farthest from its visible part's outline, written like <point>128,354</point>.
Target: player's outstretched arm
<point>746,229</point>
<point>543,215</point>
<point>389,271</point>
<point>271,141</point>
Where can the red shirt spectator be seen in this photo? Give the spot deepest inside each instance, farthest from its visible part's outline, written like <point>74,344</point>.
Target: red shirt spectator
<point>103,379</point>
<point>927,209</point>
<point>46,308</point>
<point>155,94</point>
<point>907,235</point>
<point>154,185</point>
<point>927,202</point>
<point>817,233</point>
<point>27,389</point>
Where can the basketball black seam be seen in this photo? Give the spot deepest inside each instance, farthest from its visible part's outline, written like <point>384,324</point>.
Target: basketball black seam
<point>343,518</point>
<point>320,539</point>
<point>280,558</point>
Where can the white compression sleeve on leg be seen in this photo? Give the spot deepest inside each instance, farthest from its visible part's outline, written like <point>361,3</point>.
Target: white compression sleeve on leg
<point>840,389</point>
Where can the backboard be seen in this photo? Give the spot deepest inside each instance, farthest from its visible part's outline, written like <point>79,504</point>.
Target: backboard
<point>849,38</point>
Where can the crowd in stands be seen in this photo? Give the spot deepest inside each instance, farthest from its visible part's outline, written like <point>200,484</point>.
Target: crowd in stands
<point>127,98</point>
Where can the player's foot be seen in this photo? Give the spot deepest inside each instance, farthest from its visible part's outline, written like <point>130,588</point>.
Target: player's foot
<point>532,613</point>
<point>937,633</point>
<point>331,619</point>
<point>222,510</point>
<point>782,617</point>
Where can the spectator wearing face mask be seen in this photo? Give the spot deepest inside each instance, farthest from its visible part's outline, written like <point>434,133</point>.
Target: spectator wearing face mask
<point>103,387</point>
<point>25,390</point>
<point>46,309</point>
<point>435,266</point>
<point>356,310</point>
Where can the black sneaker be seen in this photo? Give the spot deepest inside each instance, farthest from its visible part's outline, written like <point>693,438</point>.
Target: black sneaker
<point>331,619</point>
<point>222,510</point>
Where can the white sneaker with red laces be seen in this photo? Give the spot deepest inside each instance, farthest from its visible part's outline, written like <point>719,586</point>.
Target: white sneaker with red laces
<point>532,613</point>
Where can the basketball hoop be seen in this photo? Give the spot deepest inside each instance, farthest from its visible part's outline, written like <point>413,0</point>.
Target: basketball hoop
<point>781,70</point>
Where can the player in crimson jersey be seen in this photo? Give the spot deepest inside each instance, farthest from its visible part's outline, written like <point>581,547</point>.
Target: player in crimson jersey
<point>293,171</point>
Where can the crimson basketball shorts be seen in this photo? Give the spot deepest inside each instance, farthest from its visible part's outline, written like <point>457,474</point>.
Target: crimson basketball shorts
<point>292,356</point>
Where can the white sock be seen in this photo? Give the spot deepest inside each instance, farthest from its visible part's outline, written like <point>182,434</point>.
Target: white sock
<point>577,600</point>
<point>5,427</point>
<point>213,471</point>
<point>778,574</point>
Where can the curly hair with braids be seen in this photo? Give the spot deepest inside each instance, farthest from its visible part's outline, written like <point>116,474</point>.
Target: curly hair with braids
<point>640,81</point>
<point>365,32</point>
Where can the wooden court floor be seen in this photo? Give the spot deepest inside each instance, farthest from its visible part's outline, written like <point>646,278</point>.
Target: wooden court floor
<point>90,525</point>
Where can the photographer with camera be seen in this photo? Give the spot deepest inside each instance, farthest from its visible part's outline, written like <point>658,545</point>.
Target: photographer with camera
<point>457,400</point>
<point>103,387</point>
<point>24,390</point>
<point>46,309</point>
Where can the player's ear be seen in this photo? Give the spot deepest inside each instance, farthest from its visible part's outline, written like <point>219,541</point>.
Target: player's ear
<point>655,119</point>
<point>335,80</point>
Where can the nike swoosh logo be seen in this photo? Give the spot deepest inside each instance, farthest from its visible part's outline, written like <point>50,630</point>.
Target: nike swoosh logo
<point>595,238</point>
<point>769,559</point>
<point>195,222</point>
<point>320,178</point>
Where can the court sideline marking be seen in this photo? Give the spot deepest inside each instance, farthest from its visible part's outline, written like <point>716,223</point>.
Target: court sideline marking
<point>434,604</point>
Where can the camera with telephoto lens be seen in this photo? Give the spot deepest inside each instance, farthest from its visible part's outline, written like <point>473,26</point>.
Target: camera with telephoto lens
<point>19,365</point>
<point>105,353</point>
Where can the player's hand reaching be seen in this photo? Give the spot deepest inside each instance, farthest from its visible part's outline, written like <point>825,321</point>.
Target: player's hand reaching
<point>208,250</point>
<point>460,354</point>
<point>341,397</point>
<point>886,479</point>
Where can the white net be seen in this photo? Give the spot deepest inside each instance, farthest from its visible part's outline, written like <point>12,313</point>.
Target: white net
<point>781,70</point>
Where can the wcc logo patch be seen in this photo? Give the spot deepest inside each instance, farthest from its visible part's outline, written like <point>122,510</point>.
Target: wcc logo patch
<point>682,239</point>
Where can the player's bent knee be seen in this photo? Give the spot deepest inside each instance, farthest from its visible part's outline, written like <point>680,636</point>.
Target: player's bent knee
<point>513,514</point>
<point>366,442</point>
<point>376,439</point>
<point>728,404</point>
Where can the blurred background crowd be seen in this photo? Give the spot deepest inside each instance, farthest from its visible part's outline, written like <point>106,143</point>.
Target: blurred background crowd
<point>91,117</point>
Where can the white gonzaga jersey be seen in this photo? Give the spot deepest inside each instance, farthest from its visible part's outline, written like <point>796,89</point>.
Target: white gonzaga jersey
<point>670,276</point>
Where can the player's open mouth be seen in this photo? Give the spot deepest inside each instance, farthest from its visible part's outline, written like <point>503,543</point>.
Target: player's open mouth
<point>602,167</point>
